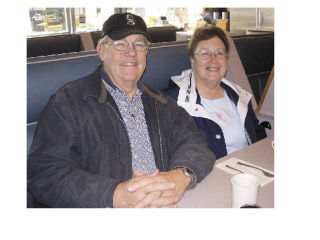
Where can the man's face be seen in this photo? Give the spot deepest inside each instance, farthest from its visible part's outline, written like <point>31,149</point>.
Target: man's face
<point>124,67</point>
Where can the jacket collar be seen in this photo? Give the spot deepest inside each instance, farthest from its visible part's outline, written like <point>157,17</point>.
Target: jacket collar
<point>186,83</point>
<point>108,81</point>
<point>94,87</point>
<point>189,98</point>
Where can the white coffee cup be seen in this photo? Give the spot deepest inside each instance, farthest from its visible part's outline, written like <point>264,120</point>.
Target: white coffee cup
<point>245,190</point>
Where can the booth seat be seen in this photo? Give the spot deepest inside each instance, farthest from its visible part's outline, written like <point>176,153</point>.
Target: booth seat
<point>162,34</point>
<point>157,34</point>
<point>70,43</point>
<point>95,36</point>
<point>257,56</point>
<point>45,75</point>
<point>49,45</point>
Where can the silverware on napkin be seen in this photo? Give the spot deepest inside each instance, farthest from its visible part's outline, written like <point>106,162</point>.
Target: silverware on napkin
<point>267,174</point>
<point>233,168</point>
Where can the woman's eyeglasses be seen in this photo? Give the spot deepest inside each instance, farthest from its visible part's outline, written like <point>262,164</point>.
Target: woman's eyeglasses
<point>219,54</point>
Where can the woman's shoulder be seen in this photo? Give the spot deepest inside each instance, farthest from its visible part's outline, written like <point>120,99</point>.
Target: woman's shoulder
<point>172,90</point>
<point>235,89</point>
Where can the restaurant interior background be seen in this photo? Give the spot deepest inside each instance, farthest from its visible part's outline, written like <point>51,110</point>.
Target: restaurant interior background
<point>295,185</point>
<point>68,30</point>
<point>54,21</point>
<point>291,190</point>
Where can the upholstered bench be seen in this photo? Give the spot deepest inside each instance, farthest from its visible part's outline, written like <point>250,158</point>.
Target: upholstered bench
<point>45,75</point>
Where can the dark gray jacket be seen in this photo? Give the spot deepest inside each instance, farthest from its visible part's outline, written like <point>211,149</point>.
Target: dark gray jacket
<point>81,150</point>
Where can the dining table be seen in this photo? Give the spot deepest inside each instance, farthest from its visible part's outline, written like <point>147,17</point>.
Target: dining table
<point>215,190</point>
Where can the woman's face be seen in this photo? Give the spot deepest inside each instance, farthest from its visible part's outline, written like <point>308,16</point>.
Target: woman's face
<point>209,69</point>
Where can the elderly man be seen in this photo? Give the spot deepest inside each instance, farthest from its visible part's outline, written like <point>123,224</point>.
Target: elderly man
<point>108,140</point>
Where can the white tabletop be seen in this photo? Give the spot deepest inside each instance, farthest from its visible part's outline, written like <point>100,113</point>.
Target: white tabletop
<point>215,190</point>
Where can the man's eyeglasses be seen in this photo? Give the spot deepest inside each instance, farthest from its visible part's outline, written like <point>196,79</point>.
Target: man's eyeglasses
<point>205,54</point>
<point>122,45</point>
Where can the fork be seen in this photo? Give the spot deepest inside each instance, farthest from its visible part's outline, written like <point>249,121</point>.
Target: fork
<point>263,171</point>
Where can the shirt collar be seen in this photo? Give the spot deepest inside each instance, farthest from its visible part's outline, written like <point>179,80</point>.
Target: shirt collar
<point>108,81</point>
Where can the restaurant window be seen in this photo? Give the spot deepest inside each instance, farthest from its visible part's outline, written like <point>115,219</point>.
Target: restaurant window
<point>47,21</point>
<point>179,17</point>
<point>53,21</point>
<point>90,18</point>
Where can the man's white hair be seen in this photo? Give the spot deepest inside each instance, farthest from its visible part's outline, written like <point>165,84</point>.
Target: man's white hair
<point>103,40</point>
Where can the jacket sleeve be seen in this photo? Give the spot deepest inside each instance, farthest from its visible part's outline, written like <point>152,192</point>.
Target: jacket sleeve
<point>188,145</point>
<point>55,175</point>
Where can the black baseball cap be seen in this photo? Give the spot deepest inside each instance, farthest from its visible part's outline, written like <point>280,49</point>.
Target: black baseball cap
<point>120,25</point>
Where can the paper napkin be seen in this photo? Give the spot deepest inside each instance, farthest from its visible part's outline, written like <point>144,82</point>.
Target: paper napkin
<point>232,162</point>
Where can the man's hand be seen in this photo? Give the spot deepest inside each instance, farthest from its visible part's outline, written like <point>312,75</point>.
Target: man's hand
<point>122,197</point>
<point>137,173</point>
<point>168,197</point>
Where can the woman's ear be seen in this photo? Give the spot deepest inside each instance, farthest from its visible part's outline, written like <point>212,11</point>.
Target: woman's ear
<point>191,61</point>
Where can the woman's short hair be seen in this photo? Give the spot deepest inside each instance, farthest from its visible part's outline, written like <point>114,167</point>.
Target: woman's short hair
<point>206,33</point>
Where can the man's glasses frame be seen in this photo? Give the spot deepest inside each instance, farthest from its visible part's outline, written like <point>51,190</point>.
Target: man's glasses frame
<point>122,45</point>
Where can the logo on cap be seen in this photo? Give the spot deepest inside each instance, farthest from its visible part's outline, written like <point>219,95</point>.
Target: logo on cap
<point>130,20</point>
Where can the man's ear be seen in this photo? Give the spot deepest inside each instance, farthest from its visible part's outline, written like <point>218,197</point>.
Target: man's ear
<point>100,51</point>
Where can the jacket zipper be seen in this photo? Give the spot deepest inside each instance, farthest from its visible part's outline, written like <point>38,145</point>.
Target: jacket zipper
<point>159,132</point>
<point>249,142</point>
<point>116,113</point>
<point>124,125</point>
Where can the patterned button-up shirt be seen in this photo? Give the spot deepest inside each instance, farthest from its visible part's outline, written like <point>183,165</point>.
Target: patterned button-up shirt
<point>132,112</point>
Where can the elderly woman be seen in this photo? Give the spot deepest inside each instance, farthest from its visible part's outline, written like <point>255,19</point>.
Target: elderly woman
<point>220,108</point>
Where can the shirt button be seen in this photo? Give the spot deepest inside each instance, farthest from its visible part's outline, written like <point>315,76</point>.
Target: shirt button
<point>218,136</point>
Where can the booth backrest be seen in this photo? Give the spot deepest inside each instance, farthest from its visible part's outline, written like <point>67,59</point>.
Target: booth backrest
<point>95,36</point>
<point>48,45</point>
<point>257,56</point>
<point>157,34</point>
<point>162,34</point>
<point>45,75</point>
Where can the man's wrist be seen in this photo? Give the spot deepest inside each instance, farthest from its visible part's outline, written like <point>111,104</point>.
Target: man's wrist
<point>188,173</point>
